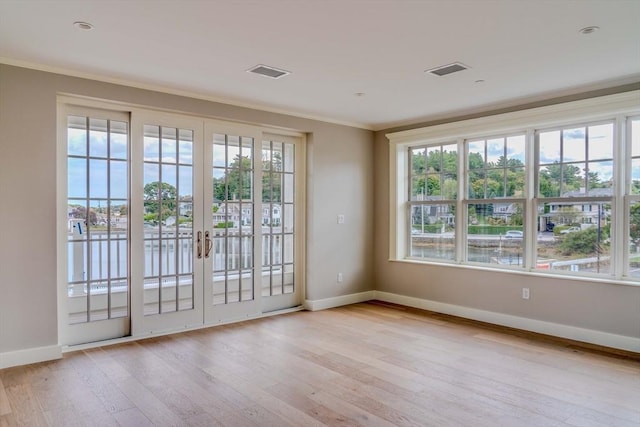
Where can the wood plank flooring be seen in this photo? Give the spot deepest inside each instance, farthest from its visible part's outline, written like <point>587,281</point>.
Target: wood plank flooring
<point>369,364</point>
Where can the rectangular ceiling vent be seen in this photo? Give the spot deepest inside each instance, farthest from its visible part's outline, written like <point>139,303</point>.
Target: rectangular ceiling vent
<point>266,71</point>
<point>447,69</point>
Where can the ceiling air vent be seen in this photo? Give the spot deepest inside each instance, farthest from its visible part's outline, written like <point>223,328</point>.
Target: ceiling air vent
<point>447,69</point>
<point>265,70</point>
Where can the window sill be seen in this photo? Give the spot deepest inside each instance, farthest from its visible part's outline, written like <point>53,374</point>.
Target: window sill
<point>530,273</point>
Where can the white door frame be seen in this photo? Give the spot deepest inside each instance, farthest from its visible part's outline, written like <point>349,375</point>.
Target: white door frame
<point>136,324</point>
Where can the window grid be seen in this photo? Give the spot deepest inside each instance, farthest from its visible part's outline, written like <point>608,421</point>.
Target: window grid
<point>233,212</point>
<point>278,184</point>
<point>432,193</point>
<point>495,204</point>
<point>168,170</point>
<point>498,164</point>
<point>632,196</point>
<point>575,198</point>
<point>584,180</point>
<point>98,266</point>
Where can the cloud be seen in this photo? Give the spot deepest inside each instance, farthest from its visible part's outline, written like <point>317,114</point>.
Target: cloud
<point>578,133</point>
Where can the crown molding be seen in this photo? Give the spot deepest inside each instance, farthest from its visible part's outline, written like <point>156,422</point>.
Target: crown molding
<point>178,92</point>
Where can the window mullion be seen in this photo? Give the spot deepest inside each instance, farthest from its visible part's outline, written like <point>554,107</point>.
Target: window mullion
<point>621,164</point>
<point>461,216</point>
<point>530,211</point>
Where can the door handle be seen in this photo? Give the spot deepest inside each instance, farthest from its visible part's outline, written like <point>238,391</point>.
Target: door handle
<point>208,244</point>
<point>199,244</point>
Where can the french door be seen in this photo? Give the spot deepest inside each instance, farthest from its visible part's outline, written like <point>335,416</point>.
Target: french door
<point>167,209</point>
<point>253,221</point>
<point>93,227</point>
<point>203,224</point>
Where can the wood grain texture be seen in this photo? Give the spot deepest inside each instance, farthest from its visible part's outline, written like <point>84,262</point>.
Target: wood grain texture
<point>369,364</point>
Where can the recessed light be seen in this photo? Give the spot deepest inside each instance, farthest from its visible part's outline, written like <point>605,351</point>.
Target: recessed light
<point>359,94</point>
<point>479,81</point>
<point>589,30</point>
<point>83,25</point>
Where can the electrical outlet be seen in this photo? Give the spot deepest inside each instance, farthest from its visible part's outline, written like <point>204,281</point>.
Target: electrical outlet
<point>525,293</point>
<point>339,277</point>
<point>341,219</point>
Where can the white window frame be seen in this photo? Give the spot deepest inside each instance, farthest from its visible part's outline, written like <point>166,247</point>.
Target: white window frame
<point>467,201</point>
<point>629,198</point>
<point>413,203</point>
<point>617,107</point>
<point>588,199</point>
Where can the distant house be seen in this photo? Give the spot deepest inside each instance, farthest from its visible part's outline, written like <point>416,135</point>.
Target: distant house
<point>504,210</point>
<point>574,212</point>
<point>433,214</point>
<point>232,212</point>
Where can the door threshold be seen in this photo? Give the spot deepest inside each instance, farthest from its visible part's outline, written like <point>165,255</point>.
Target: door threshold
<point>122,340</point>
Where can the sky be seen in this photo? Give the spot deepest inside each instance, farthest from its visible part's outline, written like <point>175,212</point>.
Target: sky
<point>574,148</point>
<point>173,158</point>
<point>179,174</point>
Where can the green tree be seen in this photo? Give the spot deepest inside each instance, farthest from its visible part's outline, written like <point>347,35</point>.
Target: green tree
<point>634,222</point>
<point>594,181</point>
<point>583,242</point>
<point>236,184</point>
<point>417,162</point>
<point>556,179</point>
<point>160,199</point>
<point>272,178</point>
<point>517,217</point>
<point>434,159</point>
<point>450,188</point>
<point>272,187</point>
<point>433,185</point>
<point>476,161</point>
<point>449,161</point>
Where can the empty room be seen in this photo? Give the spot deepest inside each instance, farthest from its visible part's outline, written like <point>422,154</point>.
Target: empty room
<point>305,212</point>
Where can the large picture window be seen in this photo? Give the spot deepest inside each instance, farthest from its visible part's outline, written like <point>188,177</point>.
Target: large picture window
<point>554,189</point>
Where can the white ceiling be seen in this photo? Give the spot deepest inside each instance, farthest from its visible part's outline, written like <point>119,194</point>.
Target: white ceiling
<point>524,50</point>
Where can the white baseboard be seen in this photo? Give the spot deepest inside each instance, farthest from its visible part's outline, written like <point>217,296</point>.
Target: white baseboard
<point>606,339</point>
<point>30,355</point>
<point>322,304</point>
<point>41,354</point>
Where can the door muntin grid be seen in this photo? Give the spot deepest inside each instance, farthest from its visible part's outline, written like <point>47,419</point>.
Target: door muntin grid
<point>278,242</point>
<point>231,222</point>
<point>97,218</point>
<point>168,219</point>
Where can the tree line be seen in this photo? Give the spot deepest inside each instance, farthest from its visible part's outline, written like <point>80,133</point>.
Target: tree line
<point>161,199</point>
<point>435,174</point>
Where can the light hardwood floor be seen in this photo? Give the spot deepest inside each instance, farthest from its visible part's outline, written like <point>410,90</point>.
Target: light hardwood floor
<point>368,364</point>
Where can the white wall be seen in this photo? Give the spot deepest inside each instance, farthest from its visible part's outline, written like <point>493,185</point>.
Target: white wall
<point>345,166</point>
<point>340,170</point>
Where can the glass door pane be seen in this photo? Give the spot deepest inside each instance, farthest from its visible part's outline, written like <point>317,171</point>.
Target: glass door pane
<point>168,219</point>
<point>168,286</point>
<point>232,218</point>
<point>230,222</point>
<point>280,218</point>
<point>97,226</point>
